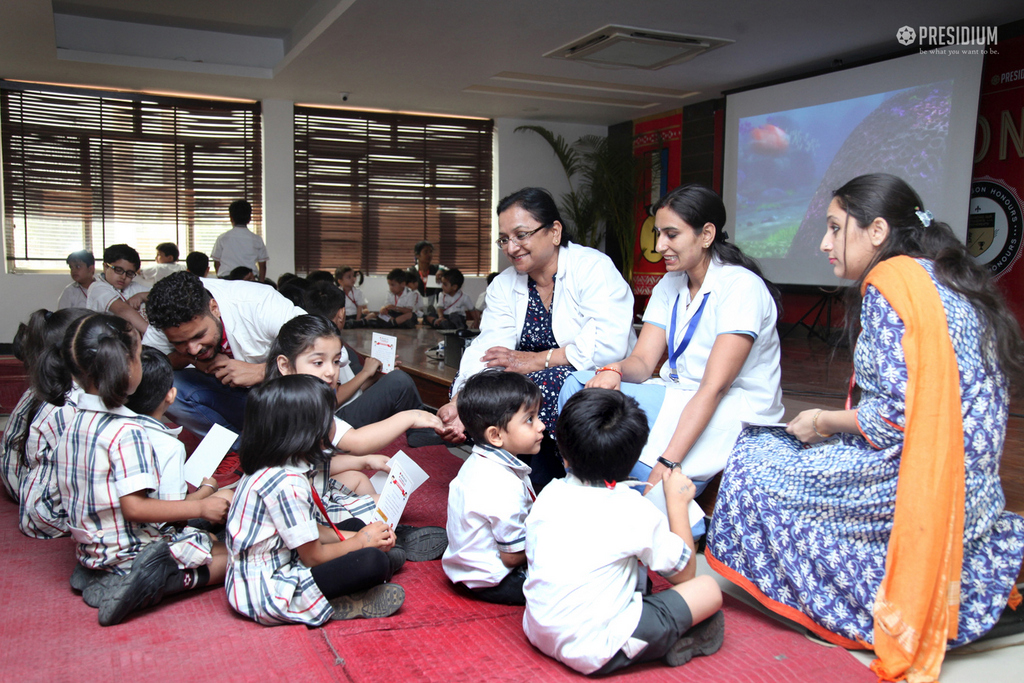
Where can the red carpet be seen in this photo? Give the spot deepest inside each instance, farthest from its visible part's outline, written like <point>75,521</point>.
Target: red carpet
<point>49,634</point>
<point>13,383</point>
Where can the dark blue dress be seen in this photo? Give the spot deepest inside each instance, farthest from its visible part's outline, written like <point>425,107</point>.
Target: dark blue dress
<point>537,336</point>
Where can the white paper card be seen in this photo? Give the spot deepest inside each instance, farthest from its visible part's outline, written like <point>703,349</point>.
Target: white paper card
<point>404,478</point>
<point>657,496</point>
<point>744,424</point>
<point>208,454</point>
<point>383,347</point>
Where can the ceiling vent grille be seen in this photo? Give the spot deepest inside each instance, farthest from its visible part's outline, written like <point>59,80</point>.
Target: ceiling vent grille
<point>635,48</point>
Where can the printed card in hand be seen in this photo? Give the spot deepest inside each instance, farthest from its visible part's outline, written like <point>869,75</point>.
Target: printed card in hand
<point>657,496</point>
<point>404,478</point>
<point>207,456</point>
<point>383,348</point>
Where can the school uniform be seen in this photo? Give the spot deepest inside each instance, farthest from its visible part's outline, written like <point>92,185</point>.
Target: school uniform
<point>271,515</point>
<point>236,247</point>
<point>454,307</point>
<point>41,512</point>
<point>170,458</point>
<point>10,458</point>
<point>488,502</point>
<point>409,298</point>
<point>584,544</point>
<point>339,501</point>
<point>73,296</point>
<point>102,294</point>
<point>105,454</point>
<point>158,271</point>
<point>355,301</point>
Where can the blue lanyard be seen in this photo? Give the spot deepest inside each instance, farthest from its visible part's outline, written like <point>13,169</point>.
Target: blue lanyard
<point>678,351</point>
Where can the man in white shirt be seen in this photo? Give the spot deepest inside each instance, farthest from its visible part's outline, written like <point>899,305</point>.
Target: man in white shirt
<point>223,329</point>
<point>82,265</point>
<point>239,246</point>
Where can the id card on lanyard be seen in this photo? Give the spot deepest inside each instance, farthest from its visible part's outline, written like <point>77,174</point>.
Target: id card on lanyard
<point>687,336</point>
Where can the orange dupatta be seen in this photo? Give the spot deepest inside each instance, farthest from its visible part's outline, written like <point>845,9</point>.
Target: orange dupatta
<point>918,603</point>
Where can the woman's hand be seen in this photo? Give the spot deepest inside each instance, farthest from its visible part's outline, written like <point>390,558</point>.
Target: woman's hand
<point>803,426</point>
<point>453,431</point>
<point>520,362</point>
<point>606,380</point>
<point>377,535</point>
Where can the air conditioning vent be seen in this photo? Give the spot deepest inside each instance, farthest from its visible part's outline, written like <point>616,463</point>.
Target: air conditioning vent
<point>635,48</point>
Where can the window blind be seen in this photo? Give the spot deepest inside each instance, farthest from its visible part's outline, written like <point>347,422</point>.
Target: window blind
<point>369,186</point>
<point>86,169</point>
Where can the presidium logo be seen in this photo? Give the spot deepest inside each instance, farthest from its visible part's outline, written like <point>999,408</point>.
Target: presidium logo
<point>938,37</point>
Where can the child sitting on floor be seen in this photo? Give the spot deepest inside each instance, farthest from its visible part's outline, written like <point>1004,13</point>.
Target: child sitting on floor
<point>453,305</point>
<point>584,539</point>
<point>106,469</point>
<point>355,302</point>
<point>489,499</point>
<point>311,345</point>
<point>286,567</point>
<point>150,401</point>
<point>401,305</point>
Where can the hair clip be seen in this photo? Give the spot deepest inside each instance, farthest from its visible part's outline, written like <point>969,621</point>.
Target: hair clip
<point>924,216</point>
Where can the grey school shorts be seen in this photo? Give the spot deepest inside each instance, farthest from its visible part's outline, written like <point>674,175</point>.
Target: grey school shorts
<point>663,621</point>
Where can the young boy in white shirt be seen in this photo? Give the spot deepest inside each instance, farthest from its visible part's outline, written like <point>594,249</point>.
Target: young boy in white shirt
<point>585,538</point>
<point>401,305</point>
<point>490,498</point>
<point>166,263</point>
<point>453,305</point>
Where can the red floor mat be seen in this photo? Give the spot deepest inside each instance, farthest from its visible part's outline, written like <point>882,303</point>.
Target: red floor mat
<point>438,635</point>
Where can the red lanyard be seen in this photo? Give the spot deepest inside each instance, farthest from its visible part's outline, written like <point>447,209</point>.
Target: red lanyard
<point>323,510</point>
<point>448,307</point>
<point>225,346</point>
<point>352,299</point>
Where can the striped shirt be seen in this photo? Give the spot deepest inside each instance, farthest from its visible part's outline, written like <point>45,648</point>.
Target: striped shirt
<point>10,458</point>
<point>170,458</point>
<point>271,515</point>
<point>488,502</point>
<point>105,454</point>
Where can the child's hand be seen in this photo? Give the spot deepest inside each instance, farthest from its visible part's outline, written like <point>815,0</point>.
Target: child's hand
<point>214,509</point>
<point>211,482</point>
<point>377,535</point>
<point>678,486</point>
<point>423,419</point>
<point>371,366</point>
<point>377,462</point>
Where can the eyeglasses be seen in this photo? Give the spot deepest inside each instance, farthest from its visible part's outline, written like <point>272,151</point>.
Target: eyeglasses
<point>520,238</point>
<point>130,274</point>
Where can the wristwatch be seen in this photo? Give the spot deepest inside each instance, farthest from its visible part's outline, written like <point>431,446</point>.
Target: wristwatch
<point>668,463</point>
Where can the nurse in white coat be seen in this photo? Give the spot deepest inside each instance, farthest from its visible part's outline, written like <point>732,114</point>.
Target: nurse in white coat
<point>715,315</point>
<point>561,307</point>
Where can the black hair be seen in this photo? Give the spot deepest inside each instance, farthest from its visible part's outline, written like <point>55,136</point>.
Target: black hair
<point>239,273</point>
<point>413,278</point>
<point>420,246</point>
<point>698,205</point>
<point>320,276</point>
<point>177,299</point>
<point>18,343</point>
<point>324,298</point>
<point>285,278</point>
<point>397,274</point>
<point>99,349</point>
<point>881,195</point>
<point>82,256</point>
<point>295,336</point>
<point>197,263</point>
<point>539,203</point>
<point>168,249</point>
<point>240,212</point>
<point>157,380</point>
<point>340,271</point>
<point>287,419</point>
<point>118,252</point>
<point>48,373</point>
<point>294,290</point>
<point>601,434</point>
<point>491,276</point>
<point>454,276</point>
<point>492,398</point>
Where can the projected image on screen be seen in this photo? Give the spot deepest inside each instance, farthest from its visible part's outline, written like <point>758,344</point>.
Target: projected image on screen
<point>789,162</point>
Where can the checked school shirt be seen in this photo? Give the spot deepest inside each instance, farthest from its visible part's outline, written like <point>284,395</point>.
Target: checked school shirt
<point>10,459</point>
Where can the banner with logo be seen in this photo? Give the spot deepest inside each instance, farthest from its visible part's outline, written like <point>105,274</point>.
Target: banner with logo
<point>995,227</point>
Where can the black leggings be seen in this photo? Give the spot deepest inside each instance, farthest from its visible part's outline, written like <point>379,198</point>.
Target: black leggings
<point>352,572</point>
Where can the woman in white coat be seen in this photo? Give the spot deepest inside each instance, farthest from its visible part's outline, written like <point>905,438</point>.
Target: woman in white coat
<point>715,315</point>
<point>561,307</point>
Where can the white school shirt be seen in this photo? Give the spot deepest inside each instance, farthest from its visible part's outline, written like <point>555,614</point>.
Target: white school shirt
<point>454,303</point>
<point>236,247</point>
<point>252,314</point>
<point>158,271</point>
<point>481,301</point>
<point>591,313</point>
<point>102,294</point>
<point>346,374</point>
<point>73,296</point>
<point>582,544</point>
<point>354,301</point>
<point>409,298</point>
<point>170,458</point>
<point>488,502</point>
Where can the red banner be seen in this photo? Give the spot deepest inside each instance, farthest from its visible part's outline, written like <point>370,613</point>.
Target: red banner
<point>995,226</point>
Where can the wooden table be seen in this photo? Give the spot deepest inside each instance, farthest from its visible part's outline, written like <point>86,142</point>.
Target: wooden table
<point>432,378</point>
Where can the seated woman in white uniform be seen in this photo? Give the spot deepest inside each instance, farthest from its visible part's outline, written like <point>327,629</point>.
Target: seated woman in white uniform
<point>715,314</point>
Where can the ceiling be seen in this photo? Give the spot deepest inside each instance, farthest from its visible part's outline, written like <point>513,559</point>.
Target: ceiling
<point>457,57</point>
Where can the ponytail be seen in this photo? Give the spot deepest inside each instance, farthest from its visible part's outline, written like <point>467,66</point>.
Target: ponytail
<point>100,350</point>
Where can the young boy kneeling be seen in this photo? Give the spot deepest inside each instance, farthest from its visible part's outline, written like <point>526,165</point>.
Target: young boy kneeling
<point>489,499</point>
<point>584,538</point>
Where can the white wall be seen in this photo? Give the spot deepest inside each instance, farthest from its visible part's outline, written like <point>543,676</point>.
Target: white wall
<point>521,160</point>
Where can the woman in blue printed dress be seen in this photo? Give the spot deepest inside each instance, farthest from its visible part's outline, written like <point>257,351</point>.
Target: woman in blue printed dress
<point>808,520</point>
<point>561,307</point>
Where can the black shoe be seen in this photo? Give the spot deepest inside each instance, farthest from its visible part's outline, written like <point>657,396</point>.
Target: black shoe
<point>143,587</point>
<point>396,558</point>
<point>94,592</point>
<point>380,601</point>
<point>423,543</point>
<point>83,577</point>
<point>703,639</point>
